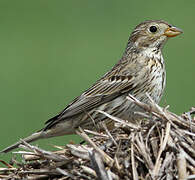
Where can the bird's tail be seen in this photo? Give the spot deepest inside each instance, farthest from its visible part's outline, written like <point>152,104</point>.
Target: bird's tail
<point>31,138</point>
<point>63,128</point>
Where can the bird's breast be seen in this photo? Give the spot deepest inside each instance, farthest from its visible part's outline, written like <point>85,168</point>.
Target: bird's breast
<point>151,78</point>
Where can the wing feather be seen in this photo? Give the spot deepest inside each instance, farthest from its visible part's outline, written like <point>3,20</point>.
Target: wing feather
<point>112,85</point>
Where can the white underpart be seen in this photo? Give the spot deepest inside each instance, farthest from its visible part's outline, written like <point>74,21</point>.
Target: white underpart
<point>150,53</point>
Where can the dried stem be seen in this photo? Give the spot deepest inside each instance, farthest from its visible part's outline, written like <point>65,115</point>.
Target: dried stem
<point>159,147</point>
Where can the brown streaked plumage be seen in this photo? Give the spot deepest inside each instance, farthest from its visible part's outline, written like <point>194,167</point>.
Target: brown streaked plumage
<point>141,70</point>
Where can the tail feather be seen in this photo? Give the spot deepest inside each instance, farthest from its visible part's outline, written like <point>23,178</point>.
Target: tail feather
<point>63,128</point>
<point>31,138</point>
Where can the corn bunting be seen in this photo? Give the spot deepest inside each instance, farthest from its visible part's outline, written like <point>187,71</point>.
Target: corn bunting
<point>141,70</point>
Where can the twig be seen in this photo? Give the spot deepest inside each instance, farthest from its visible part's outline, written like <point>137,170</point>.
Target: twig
<point>106,158</point>
<point>181,164</point>
<point>162,147</point>
<point>134,170</point>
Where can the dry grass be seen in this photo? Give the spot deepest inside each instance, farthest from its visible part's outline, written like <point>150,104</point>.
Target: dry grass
<point>160,147</point>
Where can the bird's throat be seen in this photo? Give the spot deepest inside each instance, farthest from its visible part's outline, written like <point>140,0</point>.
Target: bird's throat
<point>153,53</point>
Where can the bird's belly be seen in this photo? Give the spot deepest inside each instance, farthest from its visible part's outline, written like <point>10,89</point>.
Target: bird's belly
<point>152,83</point>
<point>157,86</point>
<point>120,107</point>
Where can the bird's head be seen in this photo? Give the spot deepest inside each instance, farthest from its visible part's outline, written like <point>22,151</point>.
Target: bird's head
<point>152,34</point>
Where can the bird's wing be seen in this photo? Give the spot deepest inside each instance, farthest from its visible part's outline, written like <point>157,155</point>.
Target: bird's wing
<point>112,85</point>
<point>102,92</point>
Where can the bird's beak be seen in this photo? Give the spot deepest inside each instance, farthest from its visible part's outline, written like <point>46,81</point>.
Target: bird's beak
<point>172,32</point>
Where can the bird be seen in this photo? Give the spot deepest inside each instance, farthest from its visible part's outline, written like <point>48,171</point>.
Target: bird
<point>140,71</point>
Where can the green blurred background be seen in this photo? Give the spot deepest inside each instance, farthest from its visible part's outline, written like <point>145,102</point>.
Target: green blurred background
<point>51,51</point>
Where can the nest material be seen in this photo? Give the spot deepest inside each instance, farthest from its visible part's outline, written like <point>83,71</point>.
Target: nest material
<point>160,147</point>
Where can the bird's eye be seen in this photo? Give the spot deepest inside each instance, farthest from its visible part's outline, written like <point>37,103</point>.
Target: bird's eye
<point>153,29</point>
